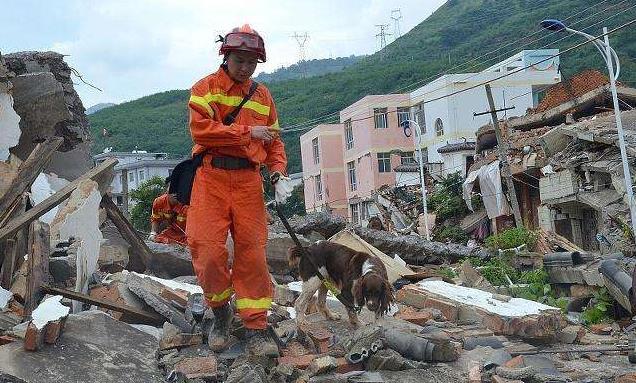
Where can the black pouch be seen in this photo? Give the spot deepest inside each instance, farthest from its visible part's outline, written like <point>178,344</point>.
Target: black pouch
<point>182,178</point>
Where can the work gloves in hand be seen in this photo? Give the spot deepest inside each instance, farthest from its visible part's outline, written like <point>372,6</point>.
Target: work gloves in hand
<point>152,236</point>
<point>282,186</point>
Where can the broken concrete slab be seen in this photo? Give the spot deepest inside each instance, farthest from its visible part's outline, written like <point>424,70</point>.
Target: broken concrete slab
<point>117,292</point>
<point>416,250</point>
<point>127,357</point>
<point>323,223</point>
<point>170,260</point>
<point>80,219</point>
<point>518,317</point>
<point>276,251</point>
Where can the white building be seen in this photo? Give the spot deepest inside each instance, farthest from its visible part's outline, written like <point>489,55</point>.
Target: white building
<point>133,169</point>
<point>451,120</point>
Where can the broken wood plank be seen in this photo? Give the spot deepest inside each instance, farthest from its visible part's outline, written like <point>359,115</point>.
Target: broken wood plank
<point>28,172</point>
<point>143,315</point>
<point>38,264</point>
<point>8,264</point>
<point>140,254</point>
<point>54,200</point>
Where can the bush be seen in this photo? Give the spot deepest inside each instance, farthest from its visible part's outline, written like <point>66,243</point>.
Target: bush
<point>143,198</point>
<point>599,310</point>
<point>452,233</point>
<point>495,270</point>
<point>511,238</point>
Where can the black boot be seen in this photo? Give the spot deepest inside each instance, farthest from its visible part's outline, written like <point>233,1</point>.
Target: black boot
<point>219,335</point>
<point>260,343</point>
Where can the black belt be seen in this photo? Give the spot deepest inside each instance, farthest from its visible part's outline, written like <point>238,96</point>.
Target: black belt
<point>231,163</point>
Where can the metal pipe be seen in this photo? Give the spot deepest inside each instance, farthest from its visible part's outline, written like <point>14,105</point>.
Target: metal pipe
<point>417,141</point>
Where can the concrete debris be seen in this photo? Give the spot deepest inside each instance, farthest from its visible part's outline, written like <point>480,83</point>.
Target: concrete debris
<point>276,251</point>
<point>127,357</point>
<point>420,348</point>
<point>170,260</point>
<point>325,224</point>
<point>391,360</point>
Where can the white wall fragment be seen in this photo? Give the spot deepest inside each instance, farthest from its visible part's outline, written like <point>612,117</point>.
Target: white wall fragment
<point>9,126</point>
<point>5,298</point>
<point>46,185</point>
<point>192,289</point>
<point>48,311</point>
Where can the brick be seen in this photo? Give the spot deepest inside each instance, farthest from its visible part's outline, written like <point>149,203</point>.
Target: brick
<point>344,366</point>
<point>570,334</point>
<point>179,296</point>
<point>203,367</point>
<point>52,331</point>
<point>180,340</point>
<point>516,362</point>
<point>321,337</point>
<point>499,379</point>
<point>294,348</point>
<point>322,365</point>
<point>6,339</point>
<point>626,378</point>
<point>601,329</point>
<point>33,338</point>
<point>474,374</point>
<point>298,361</point>
<point>448,309</point>
<point>416,317</point>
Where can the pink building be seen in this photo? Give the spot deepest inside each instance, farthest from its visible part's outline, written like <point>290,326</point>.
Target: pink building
<point>323,172</point>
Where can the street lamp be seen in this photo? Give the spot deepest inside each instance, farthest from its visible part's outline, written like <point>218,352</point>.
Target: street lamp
<point>611,60</point>
<point>417,141</point>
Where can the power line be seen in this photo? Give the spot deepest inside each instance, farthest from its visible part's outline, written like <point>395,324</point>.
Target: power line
<point>396,16</point>
<point>382,36</point>
<point>325,117</point>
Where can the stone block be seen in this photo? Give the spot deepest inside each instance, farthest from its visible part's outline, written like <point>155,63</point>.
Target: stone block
<point>570,334</point>
<point>178,296</point>
<point>474,374</point>
<point>298,361</point>
<point>170,260</point>
<point>601,329</point>
<point>414,316</point>
<point>630,377</point>
<point>343,366</point>
<point>203,367</point>
<point>322,365</point>
<point>180,341</point>
<point>321,337</point>
<point>579,291</point>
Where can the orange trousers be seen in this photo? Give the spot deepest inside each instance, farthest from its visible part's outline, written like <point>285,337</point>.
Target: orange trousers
<point>232,200</point>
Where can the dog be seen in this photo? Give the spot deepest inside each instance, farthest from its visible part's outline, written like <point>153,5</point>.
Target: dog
<point>362,278</point>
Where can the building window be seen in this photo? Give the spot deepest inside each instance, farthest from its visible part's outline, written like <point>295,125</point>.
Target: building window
<point>119,200</point>
<point>316,151</point>
<point>142,175</point>
<point>439,127</point>
<point>364,210</point>
<point>407,158</point>
<point>379,115</point>
<point>384,162</point>
<point>131,176</point>
<point>403,115</point>
<point>355,213</point>
<point>351,171</point>
<point>318,188</point>
<point>418,112</point>
<point>348,134</point>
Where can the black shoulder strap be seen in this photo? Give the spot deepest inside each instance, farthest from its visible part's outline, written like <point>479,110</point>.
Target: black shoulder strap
<point>229,119</point>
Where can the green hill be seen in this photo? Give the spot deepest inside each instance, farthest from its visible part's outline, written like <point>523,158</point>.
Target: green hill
<point>309,68</point>
<point>484,31</point>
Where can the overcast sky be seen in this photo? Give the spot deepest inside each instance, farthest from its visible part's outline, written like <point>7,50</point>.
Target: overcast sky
<point>133,48</point>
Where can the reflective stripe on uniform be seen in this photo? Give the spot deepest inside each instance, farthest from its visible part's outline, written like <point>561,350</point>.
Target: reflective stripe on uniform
<point>222,99</point>
<point>275,125</point>
<point>156,216</point>
<point>247,303</point>
<point>181,218</point>
<point>221,296</point>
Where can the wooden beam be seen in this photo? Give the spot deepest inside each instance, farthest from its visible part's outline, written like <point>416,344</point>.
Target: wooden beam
<point>28,172</point>
<point>140,254</point>
<point>8,263</point>
<point>502,148</point>
<point>144,315</point>
<point>54,200</point>
<point>38,264</point>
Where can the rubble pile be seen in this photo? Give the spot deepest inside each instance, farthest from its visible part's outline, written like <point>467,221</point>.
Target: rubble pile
<point>573,87</point>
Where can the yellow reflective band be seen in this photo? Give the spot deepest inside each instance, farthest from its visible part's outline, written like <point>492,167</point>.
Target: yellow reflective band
<point>155,216</point>
<point>202,103</point>
<point>181,218</point>
<point>247,303</point>
<point>275,126</point>
<point>220,297</point>
<point>234,101</point>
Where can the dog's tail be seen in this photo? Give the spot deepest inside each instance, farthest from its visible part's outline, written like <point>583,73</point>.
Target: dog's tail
<point>294,254</point>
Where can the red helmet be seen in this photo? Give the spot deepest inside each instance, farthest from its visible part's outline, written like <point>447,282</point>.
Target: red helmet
<point>243,39</point>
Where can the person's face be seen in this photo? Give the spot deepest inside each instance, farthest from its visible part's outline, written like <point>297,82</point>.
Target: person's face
<point>241,65</point>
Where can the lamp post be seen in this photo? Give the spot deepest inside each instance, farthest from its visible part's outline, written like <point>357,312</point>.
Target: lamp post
<point>611,59</point>
<point>417,141</point>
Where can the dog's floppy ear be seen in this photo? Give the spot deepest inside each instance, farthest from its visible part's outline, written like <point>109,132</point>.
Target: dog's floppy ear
<point>294,254</point>
<point>354,269</point>
<point>386,298</point>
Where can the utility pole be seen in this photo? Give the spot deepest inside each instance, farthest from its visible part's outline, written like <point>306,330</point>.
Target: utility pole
<point>301,40</point>
<point>396,15</point>
<point>502,148</point>
<point>382,35</point>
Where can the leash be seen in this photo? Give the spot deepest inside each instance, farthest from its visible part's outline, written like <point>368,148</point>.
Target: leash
<point>303,251</point>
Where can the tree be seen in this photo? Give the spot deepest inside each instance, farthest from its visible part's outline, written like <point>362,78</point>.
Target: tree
<point>143,198</point>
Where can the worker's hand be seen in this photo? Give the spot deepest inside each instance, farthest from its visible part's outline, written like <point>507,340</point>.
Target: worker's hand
<point>282,186</point>
<point>152,236</point>
<point>262,133</point>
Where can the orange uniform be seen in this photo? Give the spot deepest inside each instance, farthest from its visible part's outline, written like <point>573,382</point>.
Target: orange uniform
<point>224,199</point>
<point>174,216</point>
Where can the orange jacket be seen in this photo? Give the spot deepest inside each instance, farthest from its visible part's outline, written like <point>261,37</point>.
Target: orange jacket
<point>215,96</point>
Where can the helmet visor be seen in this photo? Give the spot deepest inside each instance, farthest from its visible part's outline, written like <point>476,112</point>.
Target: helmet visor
<point>246,40</point>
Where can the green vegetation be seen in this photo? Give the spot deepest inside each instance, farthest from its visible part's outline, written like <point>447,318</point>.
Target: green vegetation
<point>447,272</point>
<point>451,233</point>
<point>538,289</point>
<point>143,198</point>
<point>599,310</point>
<point>446,200</point>
<point>511,238</point>
<point>496,269</point>
<point>309,68</point>
<point>459,31</point>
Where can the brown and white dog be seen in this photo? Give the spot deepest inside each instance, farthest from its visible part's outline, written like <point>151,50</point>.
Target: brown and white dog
<point>362,278</point>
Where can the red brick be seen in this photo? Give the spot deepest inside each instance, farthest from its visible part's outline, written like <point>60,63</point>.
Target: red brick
<point>179,296</point>
<point>344,366</point>
<point>299,361</point>
<point>474,374</point>
<point>6,339</point>
<point>448,309</point>
<point>197,367</point>
<point>601,329</point>
<point>516,362</point>
<point>416,317</point>
<point>321,337</point>
<point>52,331</point>
<point>33,338</point>
<point>180,340</point>
<point>499,379</point>
<point>627,378</point>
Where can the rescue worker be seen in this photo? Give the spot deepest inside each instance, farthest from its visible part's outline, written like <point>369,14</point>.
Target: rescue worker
<point>228,191</point>
<point>168,218</point>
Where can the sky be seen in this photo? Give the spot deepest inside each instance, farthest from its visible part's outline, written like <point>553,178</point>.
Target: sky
<point>130,49</point>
